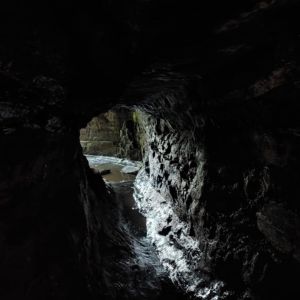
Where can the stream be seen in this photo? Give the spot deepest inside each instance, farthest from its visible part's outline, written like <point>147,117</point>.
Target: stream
<point>141,274</point>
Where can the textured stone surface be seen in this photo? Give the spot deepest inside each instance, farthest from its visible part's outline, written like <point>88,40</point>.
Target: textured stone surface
<point>112,134</point>
<point>227,190</point>
<point>130,170</point>
<point>281,227</point>
<point>101,136</point>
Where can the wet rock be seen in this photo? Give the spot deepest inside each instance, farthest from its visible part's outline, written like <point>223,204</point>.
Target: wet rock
<point>165,230</point>
<point>281,226</point>
<point>113,133</point>
<point>105,172</point>
<point>216,191</point>
<point>130,170</point>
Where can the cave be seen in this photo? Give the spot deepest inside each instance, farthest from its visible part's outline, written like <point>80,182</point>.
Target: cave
<point>199,100</point>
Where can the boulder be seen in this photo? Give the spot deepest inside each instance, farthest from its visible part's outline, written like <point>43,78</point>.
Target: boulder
<point>105,172</point>
<point>130,170</point>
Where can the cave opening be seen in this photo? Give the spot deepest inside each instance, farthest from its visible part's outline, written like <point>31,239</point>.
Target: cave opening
<point>149,161</point>
<point>120,146</point>
<point>114,145</point>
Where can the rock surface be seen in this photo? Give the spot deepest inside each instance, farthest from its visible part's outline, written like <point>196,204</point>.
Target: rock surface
<point>111,134</point>
<point>130,170</point>
<point>105,172</point>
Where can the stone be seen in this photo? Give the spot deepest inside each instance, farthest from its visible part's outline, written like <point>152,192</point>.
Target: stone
<point>165,230</point>
<point>105,172</point>
<point>281,227</point>
<point>115,133</point>
<point>130,170</point>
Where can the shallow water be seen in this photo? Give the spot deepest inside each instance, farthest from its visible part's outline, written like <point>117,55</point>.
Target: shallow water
<point>138,273</point>
<point>115,165</point>
<point>115,175</point>
<point>132,217</point>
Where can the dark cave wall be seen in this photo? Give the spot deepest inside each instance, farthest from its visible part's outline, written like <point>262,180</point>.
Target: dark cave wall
<point>43,225</point>
<point>51,204</point>
<point>132,137</point>
<point>57,218</point>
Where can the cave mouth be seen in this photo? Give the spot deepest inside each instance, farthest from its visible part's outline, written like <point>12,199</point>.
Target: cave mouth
<point>109,142</point>
<point>117,145</point>
<point>147,164</point>
<point>112,144</point>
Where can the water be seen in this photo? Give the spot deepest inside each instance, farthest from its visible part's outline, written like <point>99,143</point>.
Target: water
<point>136,273</point>
<point>115,165</point>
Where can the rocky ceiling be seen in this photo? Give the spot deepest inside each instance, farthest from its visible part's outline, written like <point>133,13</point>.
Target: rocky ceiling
<point>223,52</point>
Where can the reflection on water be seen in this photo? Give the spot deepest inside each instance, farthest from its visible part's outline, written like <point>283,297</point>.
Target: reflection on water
<point>133,268</point>
<point>115,165</point>
<point>115,175</point>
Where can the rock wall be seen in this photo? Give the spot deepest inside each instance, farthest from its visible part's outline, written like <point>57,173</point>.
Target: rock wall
<point>112,134</point>
<point>233,193</point>
<point>132,137</point>
<point>102,135</point>
<point>47,231</point>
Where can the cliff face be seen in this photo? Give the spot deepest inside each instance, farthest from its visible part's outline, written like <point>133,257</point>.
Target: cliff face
<point>220,83</point>
<point>114,133</point>
<point>102,135</point>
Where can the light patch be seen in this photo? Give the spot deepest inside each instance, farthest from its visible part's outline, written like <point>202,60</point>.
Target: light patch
<point>178,252</point>
<point>95,160</point>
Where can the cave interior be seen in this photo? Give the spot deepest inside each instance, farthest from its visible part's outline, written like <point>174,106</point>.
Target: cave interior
<point>199,100</point>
